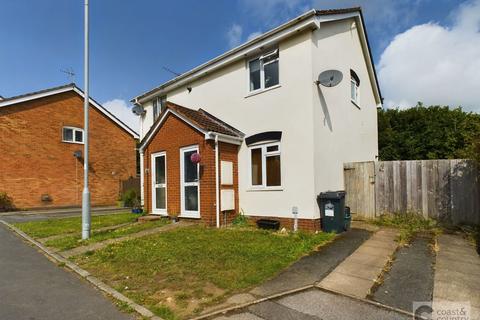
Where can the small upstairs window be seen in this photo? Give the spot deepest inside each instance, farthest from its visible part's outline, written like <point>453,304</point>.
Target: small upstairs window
<point>72,135</point>
<point>158,106</point>
<point>263,71</point>
<point>354,88</point>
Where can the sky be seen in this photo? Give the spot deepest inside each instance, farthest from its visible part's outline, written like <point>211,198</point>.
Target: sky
<point>423,50</point>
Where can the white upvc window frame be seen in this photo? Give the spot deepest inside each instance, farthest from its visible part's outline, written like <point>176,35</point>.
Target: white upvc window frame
<point>262,71</point>
<point>188,213</point>
<point>263,146</point>
<point>354,84</point>
<point>155,210</point>
<point>74,130</point>
<point>158,105</point>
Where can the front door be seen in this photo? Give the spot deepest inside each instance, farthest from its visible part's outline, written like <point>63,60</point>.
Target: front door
<point>189,178</point>
<point>159,183</point>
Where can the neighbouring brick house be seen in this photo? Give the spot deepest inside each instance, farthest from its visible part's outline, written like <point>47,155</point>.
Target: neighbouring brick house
<point>41,144</point>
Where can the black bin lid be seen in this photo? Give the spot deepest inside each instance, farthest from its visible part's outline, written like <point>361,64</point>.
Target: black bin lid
<point>332,195</point>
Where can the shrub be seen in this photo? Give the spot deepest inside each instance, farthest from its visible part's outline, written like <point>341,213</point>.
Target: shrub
<point>130,198</point>
<point>240,220</point>
<point>6,202</point>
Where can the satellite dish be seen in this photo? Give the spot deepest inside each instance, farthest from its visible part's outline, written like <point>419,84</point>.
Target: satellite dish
<point>138,110</point>
<point>330,78</point>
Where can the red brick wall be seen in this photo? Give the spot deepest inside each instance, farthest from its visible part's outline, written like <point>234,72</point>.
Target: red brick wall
<point>287,223</point>
<point>35,161</point>
<point>173,135</point>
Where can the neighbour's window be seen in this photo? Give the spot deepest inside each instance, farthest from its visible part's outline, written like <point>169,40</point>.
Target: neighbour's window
<point>354,87</point>
<point>158,106</point>
<point>72,134</point>
<point>265,165</point>
<point>263,71</point>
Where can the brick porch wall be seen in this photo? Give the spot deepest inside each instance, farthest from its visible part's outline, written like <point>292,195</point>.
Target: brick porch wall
<point>287,223</point>
<point>173,135</point>
<point>35,161</point>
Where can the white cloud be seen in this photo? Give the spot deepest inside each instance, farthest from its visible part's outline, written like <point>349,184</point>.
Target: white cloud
<point>435,64</point>
<point>123,111</point>
<point>253,35</point>
<point>234,35</point>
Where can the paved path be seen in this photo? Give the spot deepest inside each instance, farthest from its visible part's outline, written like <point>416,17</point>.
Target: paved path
<point>457,276</point>
<point>33,288</point>
<point>103,244</point>
<point>314,304</point>
<point>356,275</point>
<point>313,268</point>
<point>24,216</point>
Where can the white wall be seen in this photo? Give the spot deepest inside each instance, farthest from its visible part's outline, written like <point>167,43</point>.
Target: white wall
<point>343,132</point>
<point>317,137</point>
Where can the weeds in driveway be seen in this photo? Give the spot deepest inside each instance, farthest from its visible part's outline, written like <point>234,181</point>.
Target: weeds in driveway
<point>409,224</point>
<point>52,227</point>
<point>179,272</point>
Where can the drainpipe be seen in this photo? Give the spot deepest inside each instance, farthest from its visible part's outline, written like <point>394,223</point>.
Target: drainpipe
<point>142,179</point>
<point>217,189</point>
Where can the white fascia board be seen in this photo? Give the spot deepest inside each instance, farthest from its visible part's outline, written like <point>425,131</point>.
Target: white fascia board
<point>366,51</point>
<point>34,96</point>
<point>108,114</point>
<point>268,39</point>
<point>224,138</point>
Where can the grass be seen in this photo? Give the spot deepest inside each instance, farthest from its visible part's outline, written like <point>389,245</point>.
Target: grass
<point>51,227</point>
<point>409,224</point>
<point>180,272</point>
<point>73,241</point>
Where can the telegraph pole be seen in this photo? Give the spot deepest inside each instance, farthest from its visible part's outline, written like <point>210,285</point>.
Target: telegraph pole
<point>86,192</point>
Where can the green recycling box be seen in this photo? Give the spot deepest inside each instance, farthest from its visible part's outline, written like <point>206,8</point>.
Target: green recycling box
<point>332,211</point>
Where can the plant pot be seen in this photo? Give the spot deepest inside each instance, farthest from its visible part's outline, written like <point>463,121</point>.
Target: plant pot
<point>137,210</point>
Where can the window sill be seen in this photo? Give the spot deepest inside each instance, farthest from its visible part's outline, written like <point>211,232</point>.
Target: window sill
<point>251,189</point>
<point>258,91</point>
<point>72,142</point>
<point>355,104</point>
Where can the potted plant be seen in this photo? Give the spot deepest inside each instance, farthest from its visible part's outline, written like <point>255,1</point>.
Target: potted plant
<point>174,216</point>
<point>136,206</point>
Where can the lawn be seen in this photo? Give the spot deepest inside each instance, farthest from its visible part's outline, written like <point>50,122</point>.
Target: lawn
<point>52,227</point>
<point>72,241</point>
<point>178,273</point>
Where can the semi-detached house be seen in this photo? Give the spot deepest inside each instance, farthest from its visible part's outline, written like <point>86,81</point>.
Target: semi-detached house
<point>253,131</point>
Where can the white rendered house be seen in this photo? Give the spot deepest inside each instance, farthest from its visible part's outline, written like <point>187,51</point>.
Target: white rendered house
<point>267,136</point>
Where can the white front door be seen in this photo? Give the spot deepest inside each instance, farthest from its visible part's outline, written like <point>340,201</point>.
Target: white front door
<point>159,183</point>
<point>189,183</point>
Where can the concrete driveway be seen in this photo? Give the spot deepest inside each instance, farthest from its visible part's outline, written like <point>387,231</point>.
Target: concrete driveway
<point>33,288</point>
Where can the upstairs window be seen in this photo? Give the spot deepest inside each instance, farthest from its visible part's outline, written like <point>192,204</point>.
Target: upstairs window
<point>158,106</point>
<point>354,88</point>
<point>263,71</point>
<point>265,166</point>
<point>72,135</point>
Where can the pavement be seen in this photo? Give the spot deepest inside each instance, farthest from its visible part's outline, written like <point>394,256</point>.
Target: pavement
<point>311,269</point>
<point>36,215</point>
<point>358,273</point>
<point>411,276</point>
<point>457,275</point>
<point>33,288</point>
<point>314,304</point>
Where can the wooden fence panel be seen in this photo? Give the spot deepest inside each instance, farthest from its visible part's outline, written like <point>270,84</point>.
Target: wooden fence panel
<point>446,190</point>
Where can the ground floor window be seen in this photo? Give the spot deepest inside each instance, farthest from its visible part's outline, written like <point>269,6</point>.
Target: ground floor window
<point>265,165</point>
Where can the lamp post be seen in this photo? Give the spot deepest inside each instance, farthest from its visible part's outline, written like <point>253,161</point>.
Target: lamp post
<point>86,192</point>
